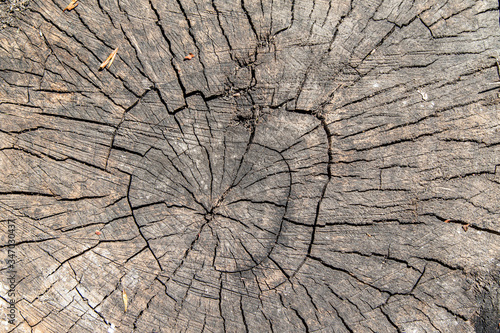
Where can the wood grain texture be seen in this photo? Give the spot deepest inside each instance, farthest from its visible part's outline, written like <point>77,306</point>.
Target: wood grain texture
<point>310,168</point>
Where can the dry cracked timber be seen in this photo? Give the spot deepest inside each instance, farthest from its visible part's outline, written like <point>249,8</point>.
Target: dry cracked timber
<point>317,166</point>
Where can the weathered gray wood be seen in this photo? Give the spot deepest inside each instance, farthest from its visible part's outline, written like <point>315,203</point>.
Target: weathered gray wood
<point>317,166</point>
<point>9,10</point>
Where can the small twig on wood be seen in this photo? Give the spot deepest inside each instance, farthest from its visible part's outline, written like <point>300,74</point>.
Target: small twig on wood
<point>109,60</point>
<point>125,300</point>
<point>71,5</point>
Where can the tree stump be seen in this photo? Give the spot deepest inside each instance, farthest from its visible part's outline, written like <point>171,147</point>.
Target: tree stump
<point>251,166</point>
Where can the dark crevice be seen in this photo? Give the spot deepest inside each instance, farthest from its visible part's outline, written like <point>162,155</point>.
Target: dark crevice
<point>453,313</point>
<point>223,31</point>
<point>384,256</point>
<point>65,117</point>
<point>191,34</point>
<point>302,319</point>
<point>463,223</point>
<point>243,315</point>
<point>170,48</point>
<point>300,223</point>
<point>166,289</point>
<point>138,317</point>
<point>317,310</point>
<point>323,191</point>
<point>262,202</point>
<point>347,272</point>
<point>28,242</point>
<point>344,322</point>
<point>390,321</point>
<point>138,226</point>
<point>220,305</point>
<point>117,127</point>
<point>140,70</point>
<point>391,143</point>
<point>247,14</point>
<point>190,248</point>
<point>442,263</point>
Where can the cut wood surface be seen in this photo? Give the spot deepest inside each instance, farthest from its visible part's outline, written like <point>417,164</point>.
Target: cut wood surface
<point>252,166</point>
